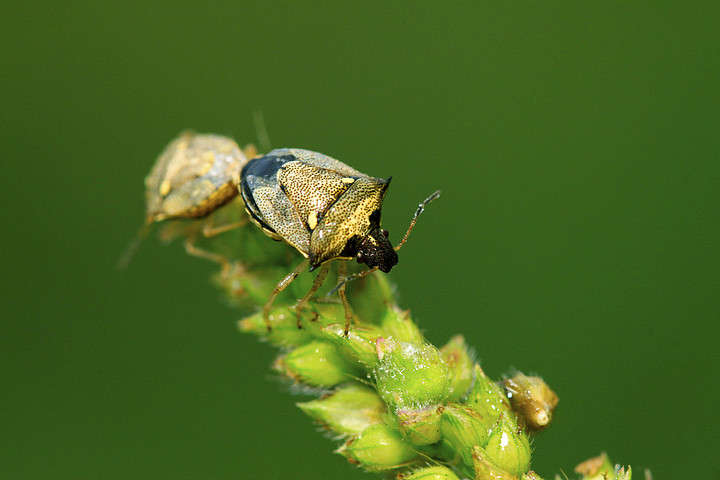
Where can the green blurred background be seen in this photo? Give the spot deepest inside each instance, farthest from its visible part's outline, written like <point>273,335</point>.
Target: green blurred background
<point>576,145</point>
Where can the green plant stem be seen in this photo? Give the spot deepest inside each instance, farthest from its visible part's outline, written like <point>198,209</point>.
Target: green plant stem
<point>404,407</point>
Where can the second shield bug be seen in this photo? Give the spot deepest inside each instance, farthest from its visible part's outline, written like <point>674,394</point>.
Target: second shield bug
<point>195,175</point>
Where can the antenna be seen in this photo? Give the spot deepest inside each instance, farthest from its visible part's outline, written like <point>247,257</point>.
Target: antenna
<point>261,131</point>
<point>132,247</point>
<point>420,209</point>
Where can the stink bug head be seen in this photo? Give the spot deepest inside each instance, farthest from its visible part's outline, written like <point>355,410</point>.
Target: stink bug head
<point>375,250</point>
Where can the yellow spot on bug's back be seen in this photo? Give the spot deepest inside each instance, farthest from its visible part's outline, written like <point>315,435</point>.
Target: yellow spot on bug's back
<point>347,180</point>
<point>312,220</point>
<point>164,188</point>
<point>208,159</point>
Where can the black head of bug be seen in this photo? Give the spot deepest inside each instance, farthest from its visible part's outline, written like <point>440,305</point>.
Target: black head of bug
<point>375,250</point>
<point>377,247</point>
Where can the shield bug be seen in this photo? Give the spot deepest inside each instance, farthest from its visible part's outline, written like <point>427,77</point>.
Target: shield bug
<point>323,208</point>
<point>195,175</point>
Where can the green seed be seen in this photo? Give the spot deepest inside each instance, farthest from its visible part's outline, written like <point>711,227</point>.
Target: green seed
<point>487,398</point>
<point>378,448</point>
<point>359,345</point>
<point>411,376</point>
<point>462,427</point>
<point>431,473</point>
<point>284,327</point>
<point>485,470</point>
<point>396,323</point>
<point>457,357</point>
<point>420,427</point>
<point>317,363</point>
<point>508,447</point>
<point>348,411</point>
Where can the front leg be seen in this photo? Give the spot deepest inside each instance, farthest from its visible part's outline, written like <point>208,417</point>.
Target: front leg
<point>342,273</point>
<point>316,284</point>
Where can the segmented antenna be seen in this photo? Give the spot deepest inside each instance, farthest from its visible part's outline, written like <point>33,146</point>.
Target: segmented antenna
<point>261,131</point>
<point>420,209</point>
<point>132,247</point>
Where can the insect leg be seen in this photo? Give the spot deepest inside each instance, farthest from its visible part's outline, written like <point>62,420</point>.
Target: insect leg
<point>191,249</point>
<point>342,272</point>
<point>209,227</point>
<point>316,284</point>
<point>342,280</point>
<point>282,285</point>
<point>209,231</point>
<point>250,152</point>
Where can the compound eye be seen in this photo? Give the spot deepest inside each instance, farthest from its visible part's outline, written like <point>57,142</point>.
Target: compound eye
<point>386,233</point>
<point>360,257</point>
